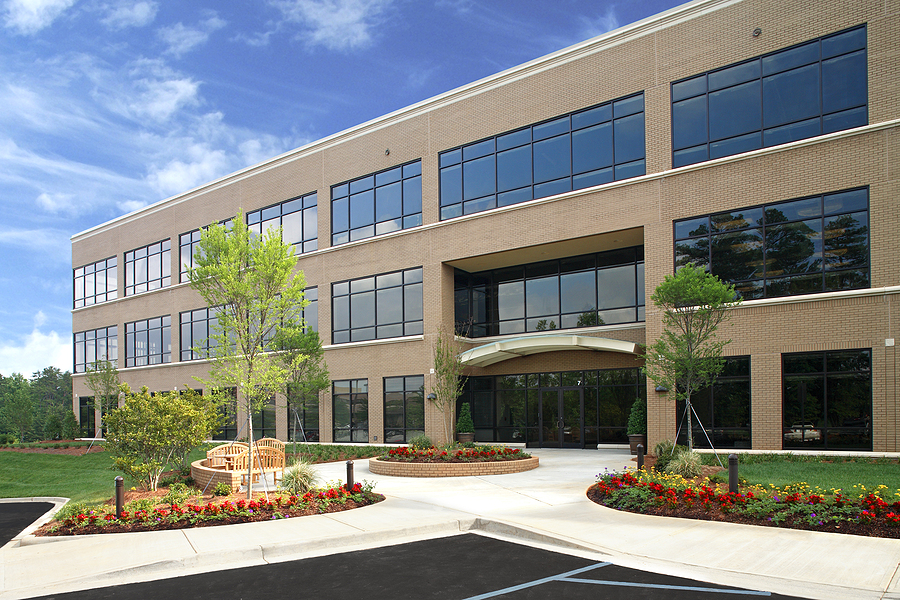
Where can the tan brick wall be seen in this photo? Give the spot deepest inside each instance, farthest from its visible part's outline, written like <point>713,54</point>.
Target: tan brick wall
<point>717,34</point>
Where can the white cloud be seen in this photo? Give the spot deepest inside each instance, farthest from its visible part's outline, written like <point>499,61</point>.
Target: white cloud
<point>35,351</point>
<point>335,24</point>
<point>30,16</point>
<point>157,91</point>
<point>179,38</point>
<point>200,163</point>
<point>128,14</point>
<point>39,319</point>
<point>600,24</point>
<point>52,243</point>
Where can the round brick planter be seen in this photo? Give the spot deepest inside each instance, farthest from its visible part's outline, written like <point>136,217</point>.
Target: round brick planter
<point>470,469</point>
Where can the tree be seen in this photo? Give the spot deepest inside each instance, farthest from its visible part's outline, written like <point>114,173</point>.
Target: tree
<point>300,351</point>
<point>102,378</point>
<point>51,394</point>
<point>448,379</point>
<point>688,356</point>
<point>251,278</point>
<point>17,409</point>
<point>147,433</point>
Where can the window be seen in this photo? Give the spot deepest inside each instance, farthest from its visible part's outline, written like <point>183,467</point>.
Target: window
<point>148,342</point>
<point>86,416</point>
<point>197,327</point>
<point>518,408</point>
<point>724,409</point>
<point>827,400</point>
<point>802,246</point>
<point>188,244</point>
<point>311,310</point>
<point>148,268</point>
<point>581,291</point>
<point>404,408</point>
<point>379,307</point>
<point>95,283</point>
<point>590,147</point>
<point>303,416</point>
<point>96,345</point>
<point>264,421</point>
<point>350,410</point>
<point>228,410</point>
<point>377,204</point>
<point>298,219</point>
<point>800,92</point>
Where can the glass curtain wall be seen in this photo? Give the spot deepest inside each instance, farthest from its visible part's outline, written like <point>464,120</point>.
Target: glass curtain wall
<point>350,410</point>
<point>724,409</point>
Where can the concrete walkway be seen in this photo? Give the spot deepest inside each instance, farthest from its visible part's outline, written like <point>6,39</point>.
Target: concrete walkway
<point>546,507</point>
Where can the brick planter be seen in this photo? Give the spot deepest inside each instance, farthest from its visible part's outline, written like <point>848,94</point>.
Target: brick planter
<point>205,477</point>
<point>470,469</point>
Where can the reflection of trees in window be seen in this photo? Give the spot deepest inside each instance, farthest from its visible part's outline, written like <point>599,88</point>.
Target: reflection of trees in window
<point>799,246</point>
<point>724,408</point>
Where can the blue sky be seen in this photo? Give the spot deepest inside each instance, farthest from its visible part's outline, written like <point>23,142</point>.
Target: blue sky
<point>109,105</point>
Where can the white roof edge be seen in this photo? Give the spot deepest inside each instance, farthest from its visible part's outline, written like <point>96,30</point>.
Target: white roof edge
<point>638,29</point>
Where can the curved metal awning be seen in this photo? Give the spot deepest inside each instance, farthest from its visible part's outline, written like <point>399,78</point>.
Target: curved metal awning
<point>495,352</point>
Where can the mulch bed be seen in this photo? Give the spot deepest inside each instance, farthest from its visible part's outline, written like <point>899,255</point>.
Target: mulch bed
<point>716,514</point>
<point>71,450</point>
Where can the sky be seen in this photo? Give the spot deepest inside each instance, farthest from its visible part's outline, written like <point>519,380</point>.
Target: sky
<point>107,106</point>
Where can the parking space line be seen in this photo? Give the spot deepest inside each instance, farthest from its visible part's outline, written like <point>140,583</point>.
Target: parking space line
<point>659,586</point>
<point>537,582</point>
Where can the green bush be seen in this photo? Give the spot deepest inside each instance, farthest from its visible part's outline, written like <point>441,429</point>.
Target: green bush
<point>686,464</point>
<point>146,504</point>
<point>465,423</point>
<point>637,420</point>
<point>73,509</point>
<point>178,493</point>
<point>299,478</point>
<point>420,442</point>
<point>222,489</point>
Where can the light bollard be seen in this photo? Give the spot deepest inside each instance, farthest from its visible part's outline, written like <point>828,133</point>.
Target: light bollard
<point>732,473</point>
<point>349,486</point>
<point>640,456</point>
<point>120,496</point>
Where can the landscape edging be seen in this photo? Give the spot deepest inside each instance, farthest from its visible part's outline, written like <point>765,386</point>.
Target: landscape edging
<point>451,469</point>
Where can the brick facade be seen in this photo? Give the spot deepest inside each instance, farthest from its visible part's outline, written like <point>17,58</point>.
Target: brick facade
<point>647,57</point>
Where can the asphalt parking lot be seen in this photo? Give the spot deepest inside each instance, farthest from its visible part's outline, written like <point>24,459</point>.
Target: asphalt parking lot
<point>468,566</point>
<point>16,516</point>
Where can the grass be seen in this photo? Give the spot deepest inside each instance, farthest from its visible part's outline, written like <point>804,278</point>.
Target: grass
<point>90,477</point>
<point>826,473</point>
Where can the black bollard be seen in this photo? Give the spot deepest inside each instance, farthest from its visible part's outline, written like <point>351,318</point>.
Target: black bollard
<point>640,452</point>
<point>120,496</point>
<point>732,473</point>
<point>349,485</point>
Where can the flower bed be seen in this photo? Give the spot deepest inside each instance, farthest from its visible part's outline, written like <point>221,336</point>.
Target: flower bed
<point>796,507</point>
<point>333,498</point>
<point>459,462</point>
<point>458,455</point>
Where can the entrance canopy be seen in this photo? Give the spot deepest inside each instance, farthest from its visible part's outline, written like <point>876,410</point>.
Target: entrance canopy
<point>495,352</point>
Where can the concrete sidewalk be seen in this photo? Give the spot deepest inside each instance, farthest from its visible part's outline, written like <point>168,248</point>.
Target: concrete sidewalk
<point>546,507</point>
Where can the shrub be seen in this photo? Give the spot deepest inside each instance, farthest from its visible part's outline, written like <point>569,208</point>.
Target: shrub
<point>420,442</point>
<point>465,423</point>
<point>299,478</point>
<point>687,464</point>
<point>222,489</point>
<point>637,420</point>
<point>73,509</point>
<point>145,504</point>
<point>178,493</point>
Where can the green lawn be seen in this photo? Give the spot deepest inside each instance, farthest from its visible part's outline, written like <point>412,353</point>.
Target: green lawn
<point>90,477</point>
<point>837,473</point>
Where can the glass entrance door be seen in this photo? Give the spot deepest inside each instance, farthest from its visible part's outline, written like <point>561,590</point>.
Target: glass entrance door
<point>561,418</point>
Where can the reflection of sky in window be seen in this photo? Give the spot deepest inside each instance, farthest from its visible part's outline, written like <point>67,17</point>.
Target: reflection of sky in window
<point>509,300</point>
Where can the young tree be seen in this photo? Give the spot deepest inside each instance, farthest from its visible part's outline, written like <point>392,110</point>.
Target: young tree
<point>252,279</point>
<point>300,351</point>
<point>102,378</point>
<point>448,378</point>
<point>688,356</point>
<point>147,433</point>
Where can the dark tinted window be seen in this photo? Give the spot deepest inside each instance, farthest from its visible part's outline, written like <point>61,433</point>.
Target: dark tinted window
<point>578,150</point>
<point>800,92</point>
<point>380,307</point>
